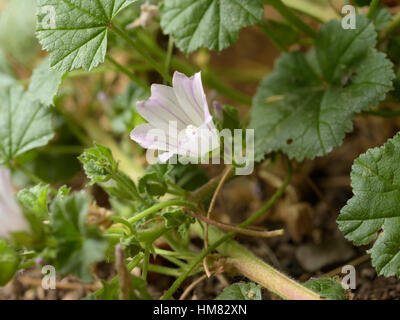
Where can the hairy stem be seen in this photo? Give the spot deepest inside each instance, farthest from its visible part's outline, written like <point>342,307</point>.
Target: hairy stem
<point>157,207</point>
<point>372,8</point>
<point>258,271</point>
<point>228,227</point>
<point>225,237</point>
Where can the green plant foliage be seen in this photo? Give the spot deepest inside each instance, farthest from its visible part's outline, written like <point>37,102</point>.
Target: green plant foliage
<point>98,163</point>
<point>328,288</point>
<point>79,245</point>
<point>241,291</point>
<point>25,124</point>
<point>306,106</point>
<point>214,24</point>
<point>373,211</point>
<point>45,83</point>
<point>36,200</point>
<point>76,36</point>
<point>9,262</point>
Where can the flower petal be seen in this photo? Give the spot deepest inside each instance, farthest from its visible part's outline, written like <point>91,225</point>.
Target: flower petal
<point>163,107</point>
<point>191,96</point>
<point>11,216</point>
<point>150,137</point>
<point>201,143</point>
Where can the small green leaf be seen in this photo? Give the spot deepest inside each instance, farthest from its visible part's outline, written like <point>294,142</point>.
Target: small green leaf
<point>381,18</point>
<point>9,262</point>
<point>98,163</point>
<point>375,180</point>
<point>178,219</point>
<point>241,291</point>
<point>154,181</point>
<point>214,24</point>
<point>45,83</point>
<point>306,106</point>
<point>76,35</point>
<point>328,288</point>
<point>112,291</point>
<point>152,184</point>
<point>188,177</point>
<point>36,200</point>
<point>24,124</point>
<point>79,245</point>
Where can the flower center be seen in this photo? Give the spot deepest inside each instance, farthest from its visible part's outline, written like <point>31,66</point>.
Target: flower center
<point>190,130</point>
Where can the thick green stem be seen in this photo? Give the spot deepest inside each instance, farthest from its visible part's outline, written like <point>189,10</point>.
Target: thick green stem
<point>146,261</point>
<point>280,284</point>
<point>288,14</point>
<point>256,270</point>
<point>128,186</point>
<point>373,7</point>
<point>164,270</point>
<point>170,51</point>
<point>157,207</point>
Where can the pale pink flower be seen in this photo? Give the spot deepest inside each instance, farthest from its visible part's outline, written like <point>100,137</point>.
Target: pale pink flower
<point>11,216</point>
<point>184,106</point>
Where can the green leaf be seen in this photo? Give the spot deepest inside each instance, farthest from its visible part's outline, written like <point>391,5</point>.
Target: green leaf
<point>9,262</point>
<point>98,163</point>
<point>381,18</point>
<point>306,106</point>
<point>327,288</point>
<point>178,219</point>
<point>375,179</point>
<point>241,291</point>
<point>24,124</point>
<point>79,245</point>
<point>214,24</point>
<point>112,291</point>
<point>154,181</point>
<point>77,35</point>
<point>45,83</point>
<point>35,199</point>
<point>101,168</point>
<point>189,177</point>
